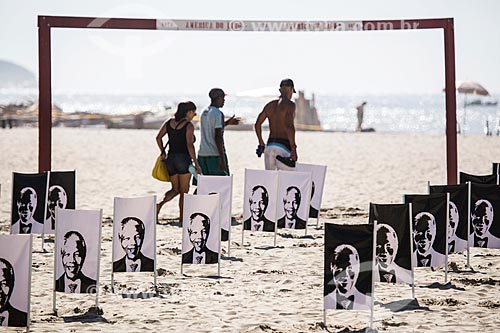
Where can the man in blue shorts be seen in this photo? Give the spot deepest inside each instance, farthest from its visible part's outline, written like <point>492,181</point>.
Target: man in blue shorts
<point>212,153</point>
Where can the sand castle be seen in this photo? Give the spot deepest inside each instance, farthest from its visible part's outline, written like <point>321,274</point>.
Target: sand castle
<point>306,115</point>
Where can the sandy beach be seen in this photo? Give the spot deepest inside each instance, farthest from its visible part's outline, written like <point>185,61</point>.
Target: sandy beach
<point>262,288</point>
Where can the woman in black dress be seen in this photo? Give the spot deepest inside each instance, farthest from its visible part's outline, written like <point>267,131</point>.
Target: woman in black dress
<point>181,152</point>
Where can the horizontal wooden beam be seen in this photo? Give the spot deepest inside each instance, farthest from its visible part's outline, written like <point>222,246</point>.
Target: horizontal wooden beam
<point>237,25</point>
<point>96,22</point>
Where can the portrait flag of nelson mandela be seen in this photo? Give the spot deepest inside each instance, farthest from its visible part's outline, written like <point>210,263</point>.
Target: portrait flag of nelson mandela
<point>485,216</point>
<point>29,194</point>
<point>496,167</point>
<point>260,200</point>
<point>458,215</point>
<point>134,234</point>
<point>62,194</point>
<point>201,229</point>
<point>15,280</point>
<point>393,256</point>
<point>318,173</point>
<point>430,221</point>
<point>294,194</point>
<point>478,179</point>
<point>224,186</point>
<point>77,251</point>
<point>348,266</point>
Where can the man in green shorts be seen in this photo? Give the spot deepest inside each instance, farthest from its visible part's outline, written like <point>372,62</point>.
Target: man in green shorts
<point>212,153</point>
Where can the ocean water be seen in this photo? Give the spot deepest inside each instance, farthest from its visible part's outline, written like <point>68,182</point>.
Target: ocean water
<point>384,113</point>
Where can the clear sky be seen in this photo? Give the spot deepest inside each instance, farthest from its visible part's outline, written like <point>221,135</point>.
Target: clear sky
<point>167,62</point>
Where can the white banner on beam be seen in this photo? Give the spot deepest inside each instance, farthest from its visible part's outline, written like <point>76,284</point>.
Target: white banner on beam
<point>237,25</point>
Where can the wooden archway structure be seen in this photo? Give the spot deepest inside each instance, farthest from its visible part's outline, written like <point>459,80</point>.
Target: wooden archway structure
<point>46,23</point>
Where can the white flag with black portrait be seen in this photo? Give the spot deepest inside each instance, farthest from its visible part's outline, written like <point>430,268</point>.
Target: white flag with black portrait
<point>201,229</point>
<point>134,240</point>
<point>393,255</point>
<point>294,194</point>
<point>318,174</point>
<point>15,280</point>
<point>224,186</point>
<point>29,195</point>
<point>485,216</point>
<point>77,251</point>
<point>62,194</point>
<point>260,200</point>
<point>430,221</point>
<point>479,179</point>
<point>348,266</point>
<point>458,211</point>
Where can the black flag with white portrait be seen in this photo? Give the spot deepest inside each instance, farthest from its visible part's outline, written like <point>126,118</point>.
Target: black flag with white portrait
<point>393,253</point>
<point>348,266</point>
<point>458,211</point>
<point>485,216</point>
<point>496,168</point>
<point>430,219</point>
<point>478,179</point>
<point>29,194</point>
<point>62,194</point>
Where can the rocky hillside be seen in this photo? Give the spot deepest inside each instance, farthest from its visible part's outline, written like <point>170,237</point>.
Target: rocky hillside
<point>15,76</point>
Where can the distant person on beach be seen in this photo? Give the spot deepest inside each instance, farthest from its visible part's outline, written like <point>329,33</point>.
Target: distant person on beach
<point>73,254</point>
<point>131,237</point>
<point>212,154</point>
<point>26,207</point>
<point>259,201</point>
<point>281,142</point>
<point>181,152</point>
<point>199,230</point>
<point>9,315</point>
<point>482,219</point>
<point>361,111</point>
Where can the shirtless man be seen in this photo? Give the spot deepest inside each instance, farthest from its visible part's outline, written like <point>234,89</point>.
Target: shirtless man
<point>281,141</point>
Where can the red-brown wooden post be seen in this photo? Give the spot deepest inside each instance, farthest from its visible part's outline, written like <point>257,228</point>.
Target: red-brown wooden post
<point>451,103</point>
<point>44,97</point>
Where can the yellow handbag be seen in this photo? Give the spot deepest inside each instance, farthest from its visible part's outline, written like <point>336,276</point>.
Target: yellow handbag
<point>160,171</point>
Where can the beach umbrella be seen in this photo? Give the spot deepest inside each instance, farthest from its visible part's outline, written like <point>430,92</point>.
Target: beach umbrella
<point>470,87</point>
